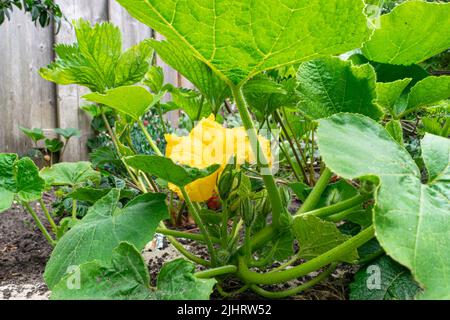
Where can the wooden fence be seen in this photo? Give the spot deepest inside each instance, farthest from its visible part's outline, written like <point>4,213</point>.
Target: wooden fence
<point>29,101</point>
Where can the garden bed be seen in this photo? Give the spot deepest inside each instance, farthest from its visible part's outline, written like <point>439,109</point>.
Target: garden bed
<point>24,252</point>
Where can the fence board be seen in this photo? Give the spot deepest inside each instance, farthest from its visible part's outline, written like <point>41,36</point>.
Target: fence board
<point>25,98</point>
<point>28,100</point>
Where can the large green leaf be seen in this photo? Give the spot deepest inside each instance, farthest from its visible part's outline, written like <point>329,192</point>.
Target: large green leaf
<point>411,218</point>
<point>383,279</point>
<point>166,169</point>
<point>239,38</point>
<point>214,89</point>
<point>330,85</point>
<point>316,237</point>
<point>103,228</point>
<point>125,278</point>
<point>411,33</point>
<point>18,179</point>
<point>176,281</point>
<point>133,101</point>
<point>96,60</point>
<point>70,174</point>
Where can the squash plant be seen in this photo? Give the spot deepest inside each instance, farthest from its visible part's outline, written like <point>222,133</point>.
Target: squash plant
<point>372,204</point>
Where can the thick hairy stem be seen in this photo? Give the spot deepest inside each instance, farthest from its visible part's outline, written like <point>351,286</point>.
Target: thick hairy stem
<point>314,197</point>
<point>296,290</point>
<point>216,272</point>
<point>201,226</point>
<point>39,223</point>
<point>337,208</point>
<point>185,235</point>
<point>48,216</point>
<point>315,264</point>
<point>269,181</point>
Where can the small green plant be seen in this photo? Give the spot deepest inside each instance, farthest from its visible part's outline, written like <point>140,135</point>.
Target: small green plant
<point>50,147</point>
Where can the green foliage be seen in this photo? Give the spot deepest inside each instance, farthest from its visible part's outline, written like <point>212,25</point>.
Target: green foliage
<point>317,237</point>
<point>410,217</point>
<point>42,11</point>
<point>68,133</point>
<point>133,101</point>
<point>330,85</point>
<point>34,134</point>
<point>106,225</point>
<point>96,60</point>
<point>70,174</point>
<point>407,34</point>
<point>282,34</point>
<point>131,279</point>
<point>19,179</point>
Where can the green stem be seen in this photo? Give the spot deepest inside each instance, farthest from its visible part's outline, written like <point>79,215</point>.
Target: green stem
<point>149,138</point>
<point>216,272</point>
<point>338,207</point>
<point>48,216</point>
<point>291,164</point>
<point>39,224</point>
<point>269,181</point>
<point>116,146</point>
<point>287,137</point>
<point>314,197</point>
<point>200,224</point>
<point>342,215</point>
<point>296,290</point>
<point>185,235</point>
<point>315,264</point>
<point>183,250</point>
<point>74,210</point>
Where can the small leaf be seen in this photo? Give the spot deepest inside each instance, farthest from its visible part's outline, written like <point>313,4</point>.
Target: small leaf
<point>384,279</point>
<point>103,228</point>
<point>35,134</point>
<point>177,282</point>
<point>389,93</point>
<point>53,145</point>
<point>166,169</point>
<point>316,237</point>
<point>68,133</point>
<point>70,174</point>
<point>133,101</point>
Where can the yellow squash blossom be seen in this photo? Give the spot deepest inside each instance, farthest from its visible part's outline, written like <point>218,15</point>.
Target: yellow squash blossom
<point>207,144</point>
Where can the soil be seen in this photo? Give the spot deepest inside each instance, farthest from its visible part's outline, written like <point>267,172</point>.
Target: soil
<point>24,253</point>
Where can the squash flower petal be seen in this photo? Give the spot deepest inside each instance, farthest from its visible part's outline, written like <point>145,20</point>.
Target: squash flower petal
<point>207,144</point>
